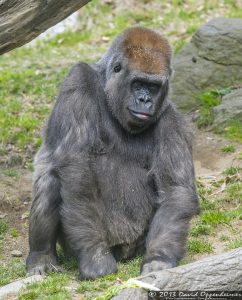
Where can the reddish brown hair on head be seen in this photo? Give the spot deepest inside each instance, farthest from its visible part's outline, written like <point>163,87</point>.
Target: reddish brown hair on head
<point>146,50</point>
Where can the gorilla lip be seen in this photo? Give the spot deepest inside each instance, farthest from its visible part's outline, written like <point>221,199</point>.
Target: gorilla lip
<point>140,115</point>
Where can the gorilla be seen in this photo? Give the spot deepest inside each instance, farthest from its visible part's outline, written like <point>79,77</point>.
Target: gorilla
<point>114,177</point>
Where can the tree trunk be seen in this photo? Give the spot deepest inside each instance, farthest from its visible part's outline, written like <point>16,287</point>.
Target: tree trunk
<point>22,21</point>
<point>216,273</point>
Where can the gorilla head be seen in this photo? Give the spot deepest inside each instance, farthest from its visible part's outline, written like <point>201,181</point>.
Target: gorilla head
<point>137,71</point>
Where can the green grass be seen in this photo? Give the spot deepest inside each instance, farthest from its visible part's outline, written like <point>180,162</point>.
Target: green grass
<point>228,149</point>
<point>197,246</point>
<point>3,227</point>
<point>234,192</point>
<point>14,232</point>
<point>215,217</point>
<point>11,270</point>
<point>231,171</point>
<point>232,129</point>
<point>23,108</point>
<point>51,288</point>
<point>12,173</point>
<point>236,243</point>
<point>218,210</point>
<point>208,100</point>
<point>207,205</point>
<point>224,238</point>
<point>200,229</point>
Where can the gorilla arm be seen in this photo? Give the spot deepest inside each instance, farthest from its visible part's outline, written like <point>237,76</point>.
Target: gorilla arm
<point>66,132</point>
<point>177,199</point>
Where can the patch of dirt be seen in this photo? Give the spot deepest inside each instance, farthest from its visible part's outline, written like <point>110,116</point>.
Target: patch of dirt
<point>208,157</point>
<point>15,202</point>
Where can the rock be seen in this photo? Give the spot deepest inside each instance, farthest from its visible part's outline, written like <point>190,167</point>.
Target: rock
<point>14,159</point>
<point>16,253</point>
<point>14,287</point>
<point>2,216</point>
<point>211,60</point>
<point>230,108</point>
<point>25,215</point>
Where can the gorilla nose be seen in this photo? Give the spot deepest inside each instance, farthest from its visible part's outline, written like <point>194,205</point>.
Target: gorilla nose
<point>144,99</point>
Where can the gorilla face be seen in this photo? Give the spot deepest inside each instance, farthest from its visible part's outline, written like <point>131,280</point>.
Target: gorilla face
<point>136,84</point>
<point>134,98</point>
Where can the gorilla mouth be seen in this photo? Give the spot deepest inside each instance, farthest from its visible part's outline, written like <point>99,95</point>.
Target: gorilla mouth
<point>140,115</point>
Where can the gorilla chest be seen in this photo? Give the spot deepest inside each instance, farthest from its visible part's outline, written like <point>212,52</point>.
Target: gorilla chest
<point>121,181</point>
<point>118,190</point>
<point>123,190</point>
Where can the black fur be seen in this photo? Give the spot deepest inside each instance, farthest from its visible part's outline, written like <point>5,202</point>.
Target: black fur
<point>107,185</point>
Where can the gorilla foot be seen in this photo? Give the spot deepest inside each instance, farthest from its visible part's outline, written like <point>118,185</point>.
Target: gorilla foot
<point>156,264</point>
<point>99,264</point>
<point>39,263</point>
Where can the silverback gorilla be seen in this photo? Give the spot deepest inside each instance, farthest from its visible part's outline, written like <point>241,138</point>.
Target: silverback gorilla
<point>114,177</point>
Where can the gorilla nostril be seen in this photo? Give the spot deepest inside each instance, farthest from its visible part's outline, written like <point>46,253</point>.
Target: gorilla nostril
<point>144,99</point>
<point>141,99</point>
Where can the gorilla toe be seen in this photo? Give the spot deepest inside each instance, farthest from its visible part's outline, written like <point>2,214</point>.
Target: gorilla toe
<point>98,265</point>
<point>39,264</point>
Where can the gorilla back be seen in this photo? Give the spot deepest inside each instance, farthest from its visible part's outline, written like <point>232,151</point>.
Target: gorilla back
<point>114,177</point>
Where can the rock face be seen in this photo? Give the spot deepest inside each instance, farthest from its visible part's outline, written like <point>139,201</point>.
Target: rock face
<point>22,21</point>
<point>229,109</point>
<point>212,60</point>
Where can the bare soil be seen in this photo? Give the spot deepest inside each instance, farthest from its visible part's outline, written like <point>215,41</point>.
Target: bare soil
<point>208,157</point>
<point>15,201</point>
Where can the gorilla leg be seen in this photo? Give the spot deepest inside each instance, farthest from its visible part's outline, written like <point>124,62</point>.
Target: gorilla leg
<point>165,243</point>
<point>44,221</point>
<point>87,237</point>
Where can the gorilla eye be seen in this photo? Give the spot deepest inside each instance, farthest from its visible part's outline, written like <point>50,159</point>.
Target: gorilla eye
<point>117,68</point>
<point>155,88</point>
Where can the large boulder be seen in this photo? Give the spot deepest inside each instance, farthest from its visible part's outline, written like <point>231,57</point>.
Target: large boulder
<point>212,60</point>
<point>229,109</point>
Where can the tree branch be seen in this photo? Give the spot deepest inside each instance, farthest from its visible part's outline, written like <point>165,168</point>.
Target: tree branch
<point>215,273</point>
<point>22,21</point>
